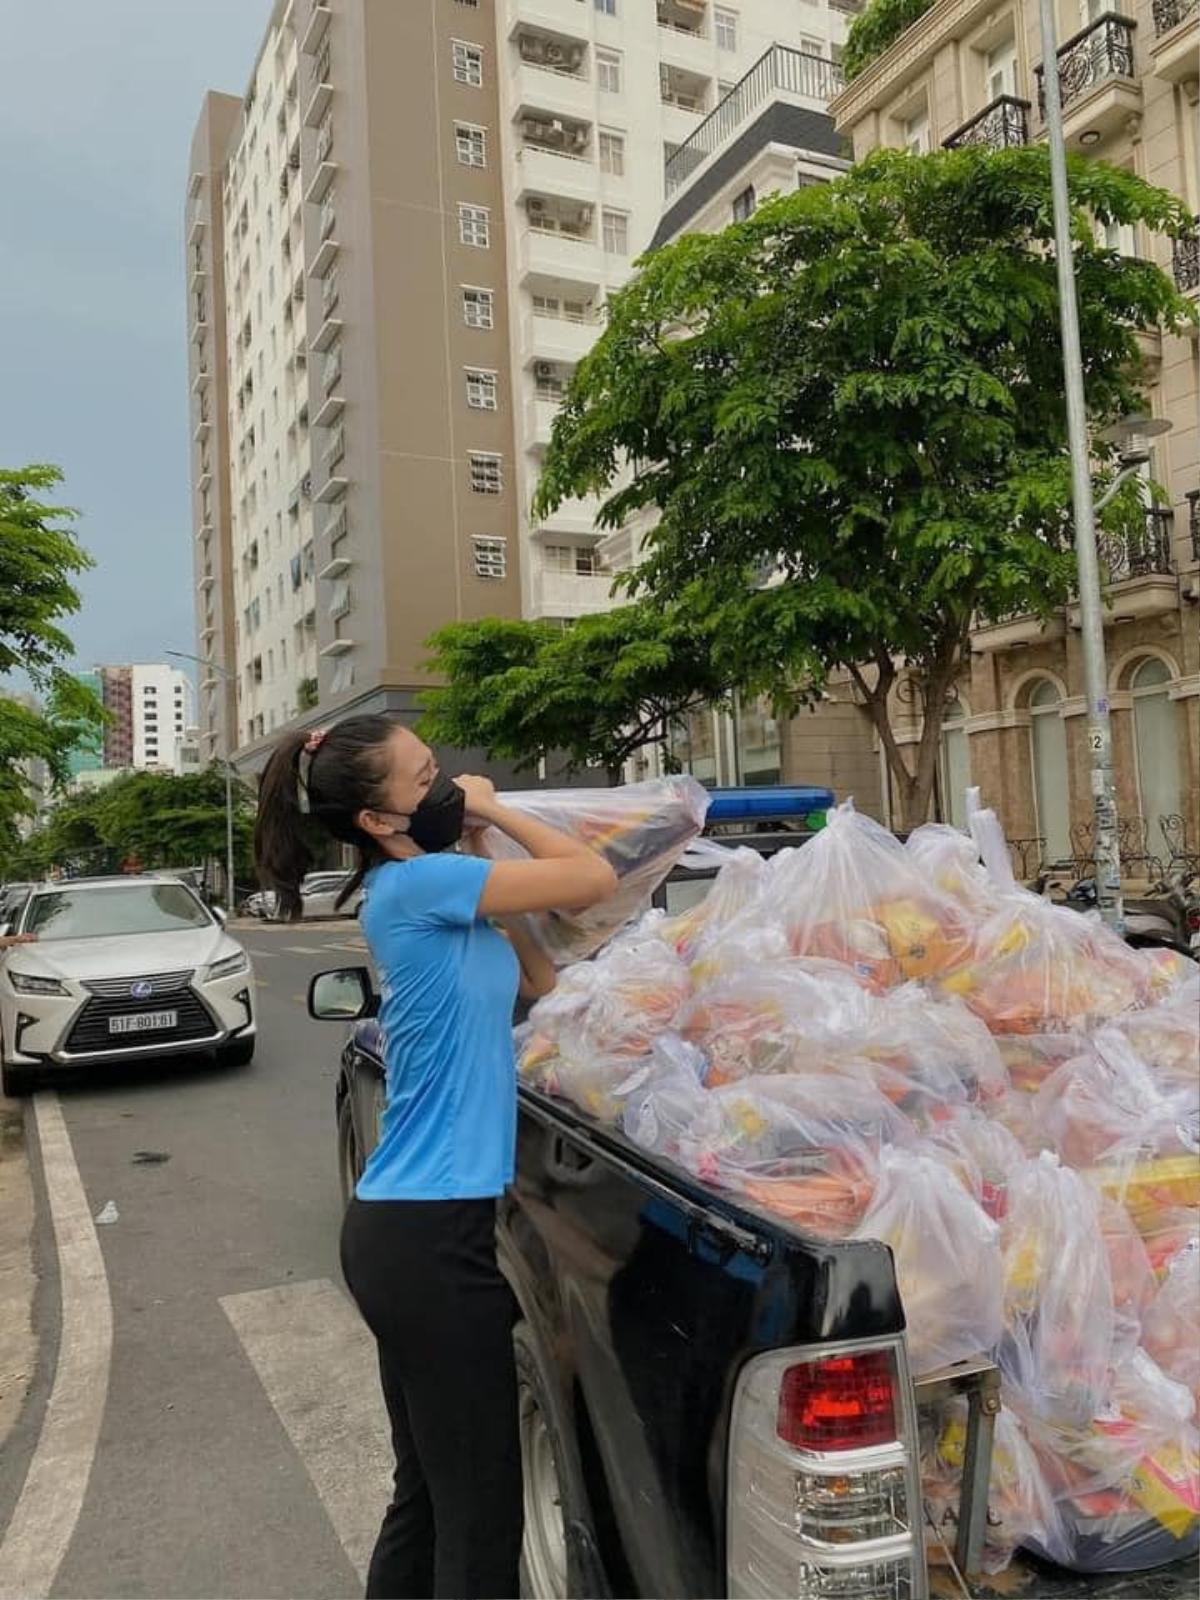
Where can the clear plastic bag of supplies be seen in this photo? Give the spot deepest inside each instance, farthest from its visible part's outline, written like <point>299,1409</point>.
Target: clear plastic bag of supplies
<point>778,1016</point>
<point>854,895</point>
<point>1171,1322</point>
<point>1167,1035</point>
<point>1040,968</point>
<point>1030,1058</point>
<point>949,860</point>
<point>617,1004</point>
<point>804,1147</point>
<point>664,1095</point>
<point>641,830</point>
<point>934,1041</point>
<point>1021,1508</point>
<point>947,1258</point>
<point>982,1152</point>
<point>737,887</point>
<point>1058,1293</point>
<point>1127,1481</point>
<point>1106,1106</point>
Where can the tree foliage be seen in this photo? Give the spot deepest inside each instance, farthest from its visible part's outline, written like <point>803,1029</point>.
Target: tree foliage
<point>156,818</point>
<point>876,29</point>
<point>860,391</point>
<point>595,692</point>
<point>39,559</point>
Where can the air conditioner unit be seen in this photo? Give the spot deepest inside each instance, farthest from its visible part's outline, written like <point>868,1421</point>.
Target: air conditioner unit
<point>557,126</point>
<point>543,369</point>
<point>554,53</point>
<point>534,206</point>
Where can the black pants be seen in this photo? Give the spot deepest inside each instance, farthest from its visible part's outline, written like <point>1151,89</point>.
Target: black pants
<point>425,1277</point>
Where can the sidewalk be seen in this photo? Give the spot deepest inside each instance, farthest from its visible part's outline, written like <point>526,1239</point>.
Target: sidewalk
<point>17,1282</point>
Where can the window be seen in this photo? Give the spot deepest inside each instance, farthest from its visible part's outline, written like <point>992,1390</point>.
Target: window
<point>607,8</point>
<point>1158,737</point>
<point>468,64</point>
<point>615,232</point>
<point>491,557</point>
<point>486,476</point>
<point>916,134</point>
<point>743,204</point>
<point>1119,237</point>
<point>471,144</point>
<point>612,154</point>
<point>478,308</point>
<point>571,558</point>
<point>1048,754</point>
<point>481,390</point>
<point>725,23</point>
<point>811,46</point>
<point>608,72</point>
<point>1000,69</point>
<point>473,226</point>
<point>955,766</point>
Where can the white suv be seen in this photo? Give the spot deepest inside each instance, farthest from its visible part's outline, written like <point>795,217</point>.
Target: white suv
<point>123,968</point>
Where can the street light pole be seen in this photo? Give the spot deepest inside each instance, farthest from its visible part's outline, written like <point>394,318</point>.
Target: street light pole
<point>230,884</point>
<point>1099,725</point>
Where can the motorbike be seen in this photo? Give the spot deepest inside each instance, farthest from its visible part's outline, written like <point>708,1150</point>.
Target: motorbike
<point>1168,914</point>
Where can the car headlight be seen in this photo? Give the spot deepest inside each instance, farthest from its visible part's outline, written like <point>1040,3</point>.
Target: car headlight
<point>229,966</point>
<point>31,983</point>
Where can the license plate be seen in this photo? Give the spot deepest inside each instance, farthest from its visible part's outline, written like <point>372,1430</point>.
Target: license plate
<point>143,1022</point>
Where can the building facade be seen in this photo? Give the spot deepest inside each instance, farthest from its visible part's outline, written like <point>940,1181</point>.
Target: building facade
<point>149,708</point>
<point>970,72</point>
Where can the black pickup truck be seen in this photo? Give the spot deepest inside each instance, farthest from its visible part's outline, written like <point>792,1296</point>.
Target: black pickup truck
<point>711,1403</point>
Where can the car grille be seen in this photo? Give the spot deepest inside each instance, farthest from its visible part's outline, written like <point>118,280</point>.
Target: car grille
<point>121,988</point>
<point>90,1035</point>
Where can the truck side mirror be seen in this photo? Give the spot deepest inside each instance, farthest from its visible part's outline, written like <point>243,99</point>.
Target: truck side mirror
<point>345,995</point>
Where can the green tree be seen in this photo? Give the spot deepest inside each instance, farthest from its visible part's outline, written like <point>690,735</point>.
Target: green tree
<point>595,692</point>
<point>847,414</point>
<point>876,29</point>
<point>39,558</point>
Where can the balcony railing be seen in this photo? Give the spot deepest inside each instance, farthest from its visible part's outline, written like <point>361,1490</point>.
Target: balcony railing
<point>1102,50</point>
<point>1185,261</point>
<point>779,69</point>
<point>1193,501</point>
<point>1169,14</point>
<point>1001,126</point>
<point>1144,553</point>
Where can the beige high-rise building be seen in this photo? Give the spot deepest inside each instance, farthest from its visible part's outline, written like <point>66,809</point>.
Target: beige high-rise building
<point>354,485</point>
<point>969,72</point>
<point>406,232</point>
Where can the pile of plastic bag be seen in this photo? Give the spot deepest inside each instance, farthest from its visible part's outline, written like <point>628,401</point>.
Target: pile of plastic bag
<point>876,1040</point>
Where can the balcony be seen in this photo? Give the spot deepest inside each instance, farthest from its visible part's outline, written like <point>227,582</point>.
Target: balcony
<point>318,26</point>
<point>570,594</point>
<point>322,178</point>
<point>553,246</point>
<point>320,90</point>
<point>540,412</point>
<point>201,430</point>
<point>332,489</point>
<point>559,338</point>
<point>684,39</point>
<point>1138,571</point>
<point>337,647</point>
<point>329,331</point>
<point>196,224</point>
<point>780,73</point>
<point>1173,53</point>
<point>687,91</point>
<point>330,410</point>
<point>574,518</point>
<point>546,173</point>
<point>201,381</point>
<point>336,567</point>
<point>1017,632</point>
<point>550,74</point>
<point>1096,79</point>
<point>1193,501</point>
<point>1003,125</point>
<point>1185,261</point>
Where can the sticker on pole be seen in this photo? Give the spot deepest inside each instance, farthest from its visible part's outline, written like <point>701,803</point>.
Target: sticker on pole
<point>1096,739</point>
<point>1098,783</point>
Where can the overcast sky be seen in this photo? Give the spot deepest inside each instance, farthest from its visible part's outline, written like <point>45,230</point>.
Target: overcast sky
<point>98,99</point>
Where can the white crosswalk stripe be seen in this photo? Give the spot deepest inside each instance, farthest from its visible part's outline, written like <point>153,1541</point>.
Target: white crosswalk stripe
<point>306,949</point>
<point>316,1361</point>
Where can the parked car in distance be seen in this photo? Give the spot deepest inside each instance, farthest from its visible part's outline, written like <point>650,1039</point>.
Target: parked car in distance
<point>122,969</point>
<point>318,896</point>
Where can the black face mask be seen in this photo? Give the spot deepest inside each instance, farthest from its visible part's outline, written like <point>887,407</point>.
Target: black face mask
<point>437,823</point>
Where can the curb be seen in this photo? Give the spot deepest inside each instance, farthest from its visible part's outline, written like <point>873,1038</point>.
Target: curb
<point>18,1347</point>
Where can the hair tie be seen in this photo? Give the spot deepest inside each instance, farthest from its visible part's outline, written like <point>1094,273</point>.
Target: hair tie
<point>304,762</point>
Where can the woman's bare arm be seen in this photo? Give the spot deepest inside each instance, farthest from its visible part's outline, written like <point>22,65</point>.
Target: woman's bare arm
<point>564,874</point>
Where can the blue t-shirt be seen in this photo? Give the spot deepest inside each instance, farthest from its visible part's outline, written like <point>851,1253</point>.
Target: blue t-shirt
<point>448,981</point>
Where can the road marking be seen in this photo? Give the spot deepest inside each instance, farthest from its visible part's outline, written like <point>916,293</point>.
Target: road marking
<point>316,1360</point>
<point>306,949</point>
<point>57,1479</point>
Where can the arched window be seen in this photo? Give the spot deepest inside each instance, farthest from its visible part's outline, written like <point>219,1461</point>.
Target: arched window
<point>1156,740</point>
<point>1048,754</point>
<point>956,766</point>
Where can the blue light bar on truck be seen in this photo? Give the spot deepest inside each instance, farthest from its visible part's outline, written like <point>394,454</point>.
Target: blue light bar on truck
<point>770,802</point>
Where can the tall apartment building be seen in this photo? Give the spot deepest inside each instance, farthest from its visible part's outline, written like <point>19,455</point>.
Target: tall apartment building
<point>405,233</point>
<point>150,710</point>
<point>970,72</point>
<point>596,99</point>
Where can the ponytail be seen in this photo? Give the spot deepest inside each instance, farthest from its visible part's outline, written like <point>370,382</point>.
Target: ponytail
<point>342,774</point>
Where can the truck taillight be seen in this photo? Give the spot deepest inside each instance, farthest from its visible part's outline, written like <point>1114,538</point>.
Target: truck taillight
<point>842,1403</point>
<point>824,1493</point>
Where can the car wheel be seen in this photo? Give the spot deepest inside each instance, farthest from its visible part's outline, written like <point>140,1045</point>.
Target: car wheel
<point>17,1081</point>
<point>349,1166</point>
<point>238,1054</point>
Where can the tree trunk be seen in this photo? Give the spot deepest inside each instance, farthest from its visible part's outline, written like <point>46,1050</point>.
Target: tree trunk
<point>914,786</point>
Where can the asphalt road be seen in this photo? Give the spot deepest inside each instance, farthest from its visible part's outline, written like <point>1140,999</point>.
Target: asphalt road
<point>241,1449</point>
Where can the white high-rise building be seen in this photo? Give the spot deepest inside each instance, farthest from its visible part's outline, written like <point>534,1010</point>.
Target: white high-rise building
<point>596,98</point>
<point>161,710</point>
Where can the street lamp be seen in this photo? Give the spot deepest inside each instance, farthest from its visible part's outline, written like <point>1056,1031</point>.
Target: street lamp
<point>230,884</point>
<point>1099,725</point>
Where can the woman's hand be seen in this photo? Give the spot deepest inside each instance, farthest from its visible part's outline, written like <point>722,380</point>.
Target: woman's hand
<point>11,939</point>
<point>481,800</point>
